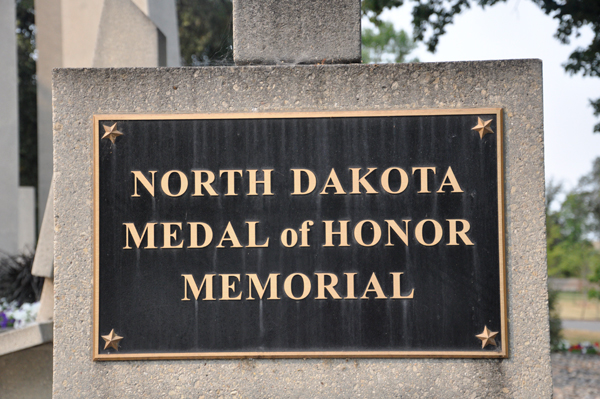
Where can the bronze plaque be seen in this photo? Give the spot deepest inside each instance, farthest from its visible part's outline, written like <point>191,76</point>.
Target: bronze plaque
<point>323,234</point>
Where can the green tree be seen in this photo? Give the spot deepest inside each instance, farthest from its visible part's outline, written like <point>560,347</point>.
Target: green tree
<point>27,93</point>
<point>386,42</point>
<point>570,251</point>
<point>573,227</point>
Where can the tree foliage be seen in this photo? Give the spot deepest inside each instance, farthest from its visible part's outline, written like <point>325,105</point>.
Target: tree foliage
<point>384,41</point>
<point>372,9</point>
<point>573,228</point>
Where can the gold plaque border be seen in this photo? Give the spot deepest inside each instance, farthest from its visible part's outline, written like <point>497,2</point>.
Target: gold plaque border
<point>502,354</point>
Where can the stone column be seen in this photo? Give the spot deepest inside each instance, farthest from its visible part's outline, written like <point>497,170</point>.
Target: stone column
<point>96,33</point>
<point>9,129</point>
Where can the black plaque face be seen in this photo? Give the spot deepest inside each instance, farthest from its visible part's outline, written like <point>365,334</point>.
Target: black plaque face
<point>349,234</point>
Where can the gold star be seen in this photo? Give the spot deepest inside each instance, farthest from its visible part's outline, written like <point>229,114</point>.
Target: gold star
<point>483,127</point>
<point>487,337</point>
<point>111,132</point>
<point>112,340</point>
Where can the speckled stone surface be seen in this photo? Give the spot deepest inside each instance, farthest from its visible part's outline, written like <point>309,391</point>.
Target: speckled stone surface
<point>515,86</point>
<point>296,31</point>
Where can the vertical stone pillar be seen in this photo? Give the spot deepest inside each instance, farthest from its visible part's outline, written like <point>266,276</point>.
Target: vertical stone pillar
<point>296,31</point>
<point>9,129</point>
<point>96,33</point>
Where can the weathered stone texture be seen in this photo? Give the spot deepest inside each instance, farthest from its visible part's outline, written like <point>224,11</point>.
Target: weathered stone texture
<point>516,86</point>
<point>296,31</point>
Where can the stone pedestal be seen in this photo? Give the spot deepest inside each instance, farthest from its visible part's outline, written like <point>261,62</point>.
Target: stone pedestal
<point>515,86</point>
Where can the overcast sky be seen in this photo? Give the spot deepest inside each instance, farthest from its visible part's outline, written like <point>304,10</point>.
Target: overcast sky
<point>518,29</point>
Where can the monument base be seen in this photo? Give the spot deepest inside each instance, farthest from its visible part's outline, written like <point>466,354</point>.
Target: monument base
<point>515,86</point>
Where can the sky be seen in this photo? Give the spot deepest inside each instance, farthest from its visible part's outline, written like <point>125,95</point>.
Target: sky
<point>519,29</point>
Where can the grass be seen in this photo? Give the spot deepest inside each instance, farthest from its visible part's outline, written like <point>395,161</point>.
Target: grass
<point>576,306</point>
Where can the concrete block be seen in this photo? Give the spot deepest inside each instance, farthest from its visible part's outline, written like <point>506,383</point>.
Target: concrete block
<point>27,373</point>
<point>9,130</point>
<point>22,338</point>
<point>27,229</point>
<point>514,85</point>
<point>296,31</point>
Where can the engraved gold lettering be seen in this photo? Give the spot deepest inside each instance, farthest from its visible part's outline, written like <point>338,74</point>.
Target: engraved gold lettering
<point>228,287</point>
<point>385,180</point>
<point>170,235</point>
<point>206,281</point>
<point>396,287</point>
<point>335,183</point>
<point>451,181</point>
<point>287,286</point>
<point>253,280</point>
<point>358,233</point>
<point>350,286</point>
<point>321,286</point>
<point>358,181</point>
<point>304,229</point>
<point>266,182</point>
<point>208,235</point>
<point>462,234</point>
<point>424,178</point>
<point>403,235</point>
<point>164,183</point>
<point>343,233</point>
<point>130,229</point>
<point>419,232</point>
<point>312,181</point>
<point>230,180</point>
<point>137,175</point>
<point>252,236</point>
<point>374,286</point>
<point>229,235</point>
<point>289,238</point>
<point>206,185</point>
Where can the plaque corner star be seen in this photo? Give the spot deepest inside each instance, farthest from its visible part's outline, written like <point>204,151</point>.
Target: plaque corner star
<point>487,337</point>
<point>112,340</point>
<point>111,132</point>
<point>483,127</point>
